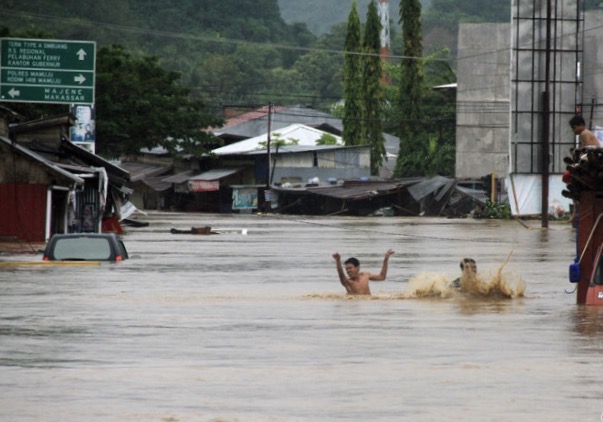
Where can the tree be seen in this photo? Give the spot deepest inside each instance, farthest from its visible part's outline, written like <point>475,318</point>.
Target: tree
<point>139,104</point>
<point>413,140</point>
<point>440,111</point>
<point>320,73</point>
<point>326,139</point>
<point>372,91</point>
<point>352,82</point>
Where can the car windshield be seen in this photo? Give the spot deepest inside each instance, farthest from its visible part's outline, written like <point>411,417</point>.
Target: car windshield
<point>82,248</point>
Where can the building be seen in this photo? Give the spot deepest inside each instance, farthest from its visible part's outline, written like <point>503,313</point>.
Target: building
<point>502,80</point>
<point>50,185</point>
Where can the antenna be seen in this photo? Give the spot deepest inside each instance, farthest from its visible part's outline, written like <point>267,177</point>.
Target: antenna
<point>385,37</point>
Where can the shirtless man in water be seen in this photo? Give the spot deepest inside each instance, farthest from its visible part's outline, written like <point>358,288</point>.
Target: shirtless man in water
<point>357,282</point>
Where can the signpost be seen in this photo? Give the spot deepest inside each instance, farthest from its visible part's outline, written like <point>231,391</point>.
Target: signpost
<point>47,71</point>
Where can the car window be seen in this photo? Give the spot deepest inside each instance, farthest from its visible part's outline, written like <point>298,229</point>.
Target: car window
<point>87,248</point>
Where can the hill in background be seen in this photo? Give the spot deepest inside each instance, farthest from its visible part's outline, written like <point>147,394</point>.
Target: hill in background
<point>321,15</point>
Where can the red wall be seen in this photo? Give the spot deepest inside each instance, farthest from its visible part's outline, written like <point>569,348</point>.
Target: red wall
<point>23,211</point>
<point>589,208</point>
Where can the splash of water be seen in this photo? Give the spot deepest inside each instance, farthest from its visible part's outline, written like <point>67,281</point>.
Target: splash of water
<point>497,285</point>
<point>436,285</point>
<point>429,285</point>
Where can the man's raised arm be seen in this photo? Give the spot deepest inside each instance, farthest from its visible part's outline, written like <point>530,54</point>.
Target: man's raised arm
<point>383,273</point>
<point>342,277</point>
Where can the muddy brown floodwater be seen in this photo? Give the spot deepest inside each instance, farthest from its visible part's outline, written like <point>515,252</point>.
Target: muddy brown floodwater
<point>252,325</point>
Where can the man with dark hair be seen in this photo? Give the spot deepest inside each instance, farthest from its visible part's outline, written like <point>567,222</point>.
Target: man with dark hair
<point>587,138</point>
<point>469,269</point>
<point>357,282</point>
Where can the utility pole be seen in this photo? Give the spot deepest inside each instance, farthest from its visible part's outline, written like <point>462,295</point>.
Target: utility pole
<point>268,146</point>
<point>268,201</point>
<point>546,121</point>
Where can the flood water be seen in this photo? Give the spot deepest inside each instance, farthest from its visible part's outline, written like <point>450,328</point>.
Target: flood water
<point>256,327</point>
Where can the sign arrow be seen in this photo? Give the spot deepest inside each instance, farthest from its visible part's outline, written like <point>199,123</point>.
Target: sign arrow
<point>81,54</point>
<point>14,93</point>
<point>80,78</point>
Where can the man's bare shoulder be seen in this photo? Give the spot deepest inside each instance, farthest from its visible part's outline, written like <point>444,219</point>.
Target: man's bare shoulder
<point>589,138</point>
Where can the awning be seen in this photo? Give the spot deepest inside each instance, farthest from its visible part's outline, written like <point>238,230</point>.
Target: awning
<point>180,177</point>
<point>209,181</point>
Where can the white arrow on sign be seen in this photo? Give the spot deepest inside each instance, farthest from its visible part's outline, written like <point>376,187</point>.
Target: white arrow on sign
<point>80,78</point>
<point>81,54</point>
<point>14,93</point>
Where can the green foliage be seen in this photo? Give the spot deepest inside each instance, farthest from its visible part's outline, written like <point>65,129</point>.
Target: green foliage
<point>276,141</point>
<point>352,82</point>
<point>413,139</point>
<point>495,210</point>
<point>327,139</point>
<point>187,35</point>
<point>139,104</point>
<point>443,17</point>
<point>319,15</point>
<point>373,96</point>
<point>319,78</point>
<point>336,110</point>
<point>202,40</point>
<point>440,157</point>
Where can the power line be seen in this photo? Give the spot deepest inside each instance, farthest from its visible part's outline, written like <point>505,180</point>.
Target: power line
<point>211,39</point>
<point>222,40</point>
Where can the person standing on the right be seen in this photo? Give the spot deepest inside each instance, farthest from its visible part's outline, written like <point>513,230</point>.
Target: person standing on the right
<point>587,138</point>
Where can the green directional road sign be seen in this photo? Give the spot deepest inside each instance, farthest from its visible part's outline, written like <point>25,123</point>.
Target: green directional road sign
<point>47,71</point>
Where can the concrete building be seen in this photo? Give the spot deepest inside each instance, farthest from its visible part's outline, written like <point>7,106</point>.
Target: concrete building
<point>502,78</point>
<point>483,99</point>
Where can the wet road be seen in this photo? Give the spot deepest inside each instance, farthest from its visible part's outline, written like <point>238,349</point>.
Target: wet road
<point>255,326</point>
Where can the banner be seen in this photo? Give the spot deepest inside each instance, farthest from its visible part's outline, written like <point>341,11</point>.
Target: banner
<point>244,198</point>
<point>83,132</point>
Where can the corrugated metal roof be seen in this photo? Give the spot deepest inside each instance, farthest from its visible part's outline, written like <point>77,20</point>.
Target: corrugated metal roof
<point>180,177</point>
<point>215,174</point>
<point>50,165</point>
<point>157,183</point>
<point>115,172</point>
<point>247,117</point>
<point>361,190</point>
<point>303,134</point>
<point>288,149</point>
<point>428,186</point>
<point>139,171</point>
<point>256,122</point>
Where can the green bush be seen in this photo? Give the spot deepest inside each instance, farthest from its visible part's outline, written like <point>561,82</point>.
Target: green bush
<point>496,210</point>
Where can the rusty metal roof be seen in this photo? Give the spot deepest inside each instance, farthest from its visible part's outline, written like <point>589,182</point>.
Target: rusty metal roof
<point>356,190</point>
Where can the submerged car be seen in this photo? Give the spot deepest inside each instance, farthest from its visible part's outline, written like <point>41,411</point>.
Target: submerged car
<point>85,247</point>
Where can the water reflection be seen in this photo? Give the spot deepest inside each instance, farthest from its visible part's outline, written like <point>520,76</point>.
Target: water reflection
<point>588,322</point>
